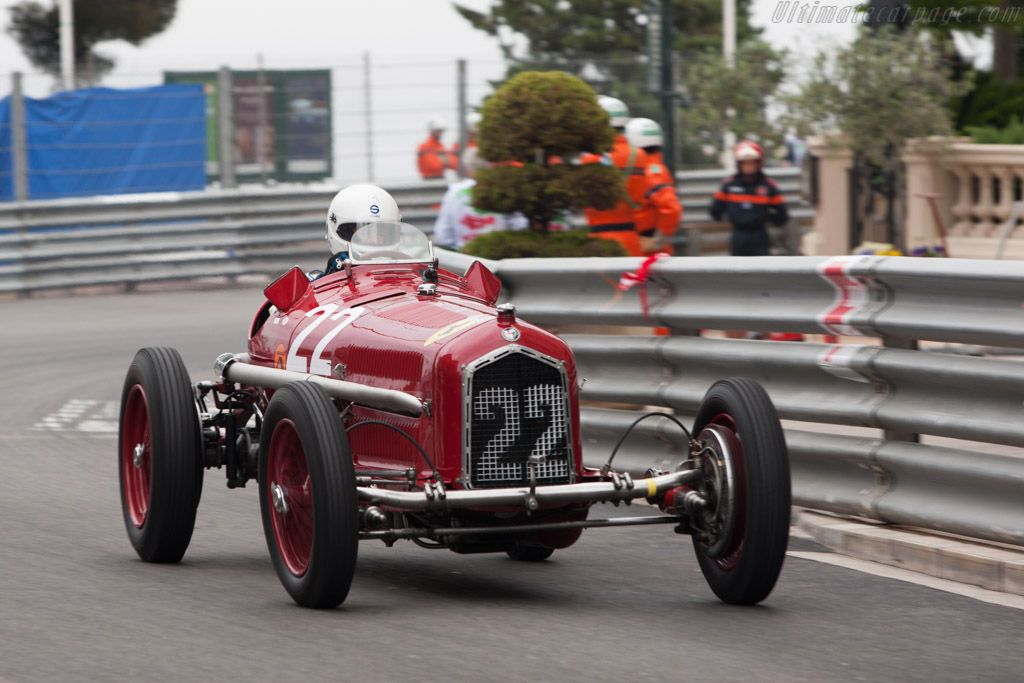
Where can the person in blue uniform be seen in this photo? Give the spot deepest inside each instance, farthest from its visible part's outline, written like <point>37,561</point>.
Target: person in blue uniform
<point>749,200</point>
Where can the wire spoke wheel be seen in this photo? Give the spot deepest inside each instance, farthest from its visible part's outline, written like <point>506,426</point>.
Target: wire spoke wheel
<point>160,466</point>
<point>136,456</point>
<point>308,496</point>
<point>740,537</point>
<point>291,498</point>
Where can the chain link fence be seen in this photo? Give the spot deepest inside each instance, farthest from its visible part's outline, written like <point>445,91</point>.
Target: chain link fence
<point>357,120</point>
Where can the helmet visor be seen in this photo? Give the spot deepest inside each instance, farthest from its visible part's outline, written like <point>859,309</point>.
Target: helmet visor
<point>346,230</point>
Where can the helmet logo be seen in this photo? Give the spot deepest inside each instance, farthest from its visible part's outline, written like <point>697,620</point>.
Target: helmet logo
<point>374,209</point>
<point>332,218</point>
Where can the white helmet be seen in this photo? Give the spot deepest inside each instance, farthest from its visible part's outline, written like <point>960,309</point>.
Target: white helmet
<point>644,133</point>
<point>473,119</point>
<point>618,112</point>
<point>435,124</point>
<point>355,207</point>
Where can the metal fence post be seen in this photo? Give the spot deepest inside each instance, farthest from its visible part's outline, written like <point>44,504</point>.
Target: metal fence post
<point>226,126</point>
<point>463,133</point>
<point>368,108</point>
<point>19,146</point>
<point>906,345</point>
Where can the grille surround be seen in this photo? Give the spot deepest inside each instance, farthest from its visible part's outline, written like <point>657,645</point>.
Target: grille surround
<point>493,458</point>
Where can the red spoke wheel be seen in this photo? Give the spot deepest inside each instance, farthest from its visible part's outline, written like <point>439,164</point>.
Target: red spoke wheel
<point>160,464</point>
<point>741,535</point>
<point>308,496</point>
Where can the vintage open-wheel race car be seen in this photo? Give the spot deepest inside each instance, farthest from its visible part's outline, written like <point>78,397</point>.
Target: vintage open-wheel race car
<point>394,400</point>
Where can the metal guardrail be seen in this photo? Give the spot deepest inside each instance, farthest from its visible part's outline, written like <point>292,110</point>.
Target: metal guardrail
<point>900,392</point>
<point>166,236</point>
<point>61,243</point>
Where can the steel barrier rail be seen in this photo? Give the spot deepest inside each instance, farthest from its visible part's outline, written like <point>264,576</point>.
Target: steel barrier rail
<point>52,260</point>
<point>695,190</point>
<point>51,246</point>
<point>959,397</point>
<point>68,242</point>
<point>262,201</point>
<point>958,491</point>
<point>951,300</point>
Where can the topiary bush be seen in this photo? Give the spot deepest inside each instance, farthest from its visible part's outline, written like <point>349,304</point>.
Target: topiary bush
<point>530,243</point>
<point>531,122</point>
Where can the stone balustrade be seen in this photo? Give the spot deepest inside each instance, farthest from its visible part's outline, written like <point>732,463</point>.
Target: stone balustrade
<point>970,189</point>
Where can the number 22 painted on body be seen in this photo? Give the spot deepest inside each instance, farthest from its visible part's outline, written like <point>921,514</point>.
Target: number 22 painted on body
<point>319,363</point>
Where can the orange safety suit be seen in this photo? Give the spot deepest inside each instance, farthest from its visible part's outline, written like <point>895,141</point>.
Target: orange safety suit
<point>661,211</point>
<point>434,158</point>
<point>618,223</point>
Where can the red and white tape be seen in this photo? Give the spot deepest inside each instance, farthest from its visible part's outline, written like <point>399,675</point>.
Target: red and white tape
<point>851,294</point>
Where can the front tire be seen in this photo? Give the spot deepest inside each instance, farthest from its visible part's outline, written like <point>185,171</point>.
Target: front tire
<point>308,496</point>
<point>741,538</point>
<point>160,455</point>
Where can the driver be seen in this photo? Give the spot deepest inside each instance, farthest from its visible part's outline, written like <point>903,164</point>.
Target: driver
<point>355,207</point>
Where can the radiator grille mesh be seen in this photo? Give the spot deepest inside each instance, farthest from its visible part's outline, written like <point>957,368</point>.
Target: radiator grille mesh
<point>518,408</point>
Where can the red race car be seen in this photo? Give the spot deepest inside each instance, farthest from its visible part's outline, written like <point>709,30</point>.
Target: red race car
<point>393,400</point>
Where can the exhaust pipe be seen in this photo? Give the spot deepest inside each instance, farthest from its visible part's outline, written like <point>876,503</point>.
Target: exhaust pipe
<point>237,368</point>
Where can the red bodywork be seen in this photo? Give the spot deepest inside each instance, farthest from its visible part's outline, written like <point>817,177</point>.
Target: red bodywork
<point>374,328</point>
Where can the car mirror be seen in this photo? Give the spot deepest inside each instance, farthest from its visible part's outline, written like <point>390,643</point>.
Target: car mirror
<point>287,290</point>
<point>485,283</point>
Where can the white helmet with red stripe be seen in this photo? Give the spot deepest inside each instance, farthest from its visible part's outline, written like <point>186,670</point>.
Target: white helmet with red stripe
<point>748,150</point>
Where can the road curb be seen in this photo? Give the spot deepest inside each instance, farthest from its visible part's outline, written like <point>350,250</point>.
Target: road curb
<point>992,567</point>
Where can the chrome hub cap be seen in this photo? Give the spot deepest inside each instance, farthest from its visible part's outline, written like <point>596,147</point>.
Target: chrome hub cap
<point>280,499</point>
<point>137,454</point>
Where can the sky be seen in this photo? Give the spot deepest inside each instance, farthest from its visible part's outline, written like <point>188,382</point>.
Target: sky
<point>412,45</point>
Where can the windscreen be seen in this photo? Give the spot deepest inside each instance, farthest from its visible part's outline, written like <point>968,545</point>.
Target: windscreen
<point>382,241</point>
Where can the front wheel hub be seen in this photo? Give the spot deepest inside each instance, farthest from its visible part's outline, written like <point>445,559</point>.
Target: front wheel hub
<point>137,454</point>
<point>280,498</point>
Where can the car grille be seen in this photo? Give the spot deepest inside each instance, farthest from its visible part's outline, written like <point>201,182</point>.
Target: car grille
<point>517,406</point>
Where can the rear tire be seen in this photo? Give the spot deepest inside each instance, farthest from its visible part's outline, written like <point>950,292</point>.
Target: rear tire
<point>160,455</point>
<point>308,496</point>
<point>748,484</point>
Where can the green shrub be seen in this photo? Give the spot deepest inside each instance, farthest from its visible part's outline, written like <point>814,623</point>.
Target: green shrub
<point>530,243</point>
<point>544,192</point>
<point>992,103</point>
<point>1011,134</point>
<point>550,111</point>
<point>532,118</point>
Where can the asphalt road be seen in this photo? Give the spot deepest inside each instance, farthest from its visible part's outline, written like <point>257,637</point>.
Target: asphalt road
<point>623,604</point>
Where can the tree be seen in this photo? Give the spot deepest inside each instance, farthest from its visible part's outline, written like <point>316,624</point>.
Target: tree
<point>528,127</point>
<point>604,42</point>
<point>574,32</point>
<point>882,90</point>
<point>721,98</point>
<point>37,30</point>
<point>976,17</point>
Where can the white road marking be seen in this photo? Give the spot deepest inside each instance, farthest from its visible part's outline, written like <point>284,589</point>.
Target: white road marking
<point>82,415</point>
<point>885,571</point>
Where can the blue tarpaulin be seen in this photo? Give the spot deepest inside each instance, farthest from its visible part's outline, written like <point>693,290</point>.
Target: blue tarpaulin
<point>6,177</point>
<point>107,141</point>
